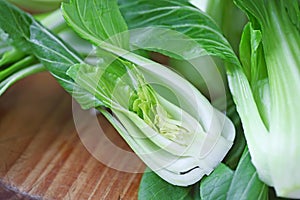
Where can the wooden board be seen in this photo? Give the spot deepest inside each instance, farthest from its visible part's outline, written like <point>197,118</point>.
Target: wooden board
<point>41,154</point>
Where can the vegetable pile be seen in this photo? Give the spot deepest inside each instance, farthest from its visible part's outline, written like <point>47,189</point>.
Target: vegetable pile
<point>237,141</point>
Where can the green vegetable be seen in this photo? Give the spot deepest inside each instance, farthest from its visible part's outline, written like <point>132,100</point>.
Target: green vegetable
<point>168,132</point>
<point>177,142</point>
<point>270,51</point>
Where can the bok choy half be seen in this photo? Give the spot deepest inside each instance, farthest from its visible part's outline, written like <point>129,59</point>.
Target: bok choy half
<point>180,142</point>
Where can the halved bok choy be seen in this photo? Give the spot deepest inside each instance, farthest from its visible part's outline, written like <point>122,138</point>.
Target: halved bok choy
<point>181,143</point>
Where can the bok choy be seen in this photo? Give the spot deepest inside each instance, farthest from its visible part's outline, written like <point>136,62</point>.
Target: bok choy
<point>180,142</point>
<point>269,104</point>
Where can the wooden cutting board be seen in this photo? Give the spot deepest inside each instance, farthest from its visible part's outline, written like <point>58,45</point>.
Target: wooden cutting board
<point>41,154</point>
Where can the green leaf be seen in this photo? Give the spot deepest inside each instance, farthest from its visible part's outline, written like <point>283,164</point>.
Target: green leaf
<point>152,187</point>
<point>180,16</point>
<point>253,60</point>
<point>246,183</point>
<point>242,184</point>
<point>56,56</point>
<point>96,20</point>
<point>166,41</point>
<point>16,24</point>
<point>216,185</point>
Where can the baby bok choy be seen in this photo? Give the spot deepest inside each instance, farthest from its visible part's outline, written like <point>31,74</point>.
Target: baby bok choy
<point>269,105</point>
<point>179,146</point>
<point>180,142</point>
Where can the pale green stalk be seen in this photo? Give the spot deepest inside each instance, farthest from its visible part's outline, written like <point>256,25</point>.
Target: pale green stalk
<point>267,91</point>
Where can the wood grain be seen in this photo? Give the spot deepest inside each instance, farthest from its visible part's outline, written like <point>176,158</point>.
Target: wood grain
<point>41,154</point>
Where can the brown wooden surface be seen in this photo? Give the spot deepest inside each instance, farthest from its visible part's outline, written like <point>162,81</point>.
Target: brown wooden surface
<point>41,155</point>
